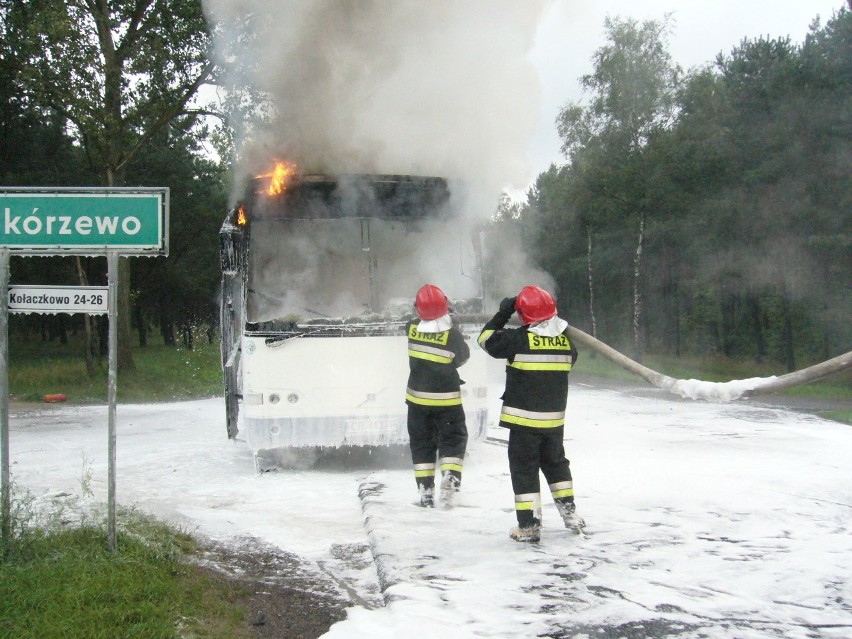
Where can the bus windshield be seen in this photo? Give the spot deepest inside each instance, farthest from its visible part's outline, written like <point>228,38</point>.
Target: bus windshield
<point>350,251</point>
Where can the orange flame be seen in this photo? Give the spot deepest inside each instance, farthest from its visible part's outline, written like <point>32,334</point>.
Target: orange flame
<point>241,216</point>
<point>279,177</point>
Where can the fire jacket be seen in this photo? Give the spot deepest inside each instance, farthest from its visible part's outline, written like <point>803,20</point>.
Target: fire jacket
<point>537,370</point>
<point>433,381</point>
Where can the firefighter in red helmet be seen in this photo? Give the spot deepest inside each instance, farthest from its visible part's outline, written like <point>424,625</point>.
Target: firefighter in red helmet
<point>539,356</point>
<point>436,423</point>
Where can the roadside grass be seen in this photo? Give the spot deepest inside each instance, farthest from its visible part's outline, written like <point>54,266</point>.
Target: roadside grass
<point>62,581</point>
<point>163,373</point>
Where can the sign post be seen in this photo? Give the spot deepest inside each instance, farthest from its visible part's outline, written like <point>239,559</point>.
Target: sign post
<point>5,489</point>
<point>112,279</point>
<point>48,222</point>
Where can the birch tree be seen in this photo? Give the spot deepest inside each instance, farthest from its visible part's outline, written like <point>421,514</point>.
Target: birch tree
<point>632,96</point>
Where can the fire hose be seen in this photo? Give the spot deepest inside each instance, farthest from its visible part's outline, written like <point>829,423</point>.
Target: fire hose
<point>696,389</point>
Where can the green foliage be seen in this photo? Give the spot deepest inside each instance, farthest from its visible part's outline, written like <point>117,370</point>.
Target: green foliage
<point>844,416</point>
<point>62,581</point>
<point>632,89</point>
<point>112,78</point>
<point>116,73</point>
<point>162,373</point>
<point>740,173</point>
<point>113,106</point>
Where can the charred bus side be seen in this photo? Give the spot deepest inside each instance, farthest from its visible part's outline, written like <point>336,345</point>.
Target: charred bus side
<point>318,279</point>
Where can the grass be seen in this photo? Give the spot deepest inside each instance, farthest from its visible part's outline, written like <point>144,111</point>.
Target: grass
<point>63,582</point>
<point>163,373</point>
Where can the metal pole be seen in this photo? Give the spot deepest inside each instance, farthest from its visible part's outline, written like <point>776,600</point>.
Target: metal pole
<point>5,485</point>
<point>112,314</point>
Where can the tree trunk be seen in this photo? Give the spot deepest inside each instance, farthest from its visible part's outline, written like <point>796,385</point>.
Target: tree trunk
<point>637,296</point>
<point>103,337</point>
<point>140,324</point>
<point>591,281</point>
<point>88,334</point>
<point>61,328</point>
<point>125,333</point>
<point>728,314</point>
<point>166,326</point>
<point>676,321</point>
<point>757,328</point>
<point>124,356</point>
<point>787,336</point>
<point>186,334</point>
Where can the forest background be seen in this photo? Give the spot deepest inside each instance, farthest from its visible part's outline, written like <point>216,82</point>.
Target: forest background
<point>696,213</point>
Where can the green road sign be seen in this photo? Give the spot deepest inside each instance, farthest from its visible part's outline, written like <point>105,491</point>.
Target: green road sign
<point>84,220</point>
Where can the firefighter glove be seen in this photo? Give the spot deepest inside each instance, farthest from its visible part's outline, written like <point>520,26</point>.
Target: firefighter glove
<point>508,305</point>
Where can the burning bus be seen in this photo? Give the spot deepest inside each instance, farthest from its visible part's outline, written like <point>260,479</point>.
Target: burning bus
<point>319,274</point>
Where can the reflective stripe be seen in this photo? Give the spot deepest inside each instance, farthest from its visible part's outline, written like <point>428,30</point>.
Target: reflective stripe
<point>433,399</point>
<point>526,366</point>
<point>430,353</point>
<point>531,418</point>
<point>483,336</point>
<point>530,362</point>
<point>562,489</point>
<point>451,463</point>
<point>425,395</point>
<point>528,357</point>
<point>424,470</point>
<point>531,414</point>
<point>528,501</point>
<point>532,423</point>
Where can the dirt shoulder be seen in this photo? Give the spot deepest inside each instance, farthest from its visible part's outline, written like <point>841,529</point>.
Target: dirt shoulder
<point>281,596</point>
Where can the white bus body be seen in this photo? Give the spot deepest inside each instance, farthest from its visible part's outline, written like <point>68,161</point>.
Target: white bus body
<point>317,285</point>
<point>338,391</point>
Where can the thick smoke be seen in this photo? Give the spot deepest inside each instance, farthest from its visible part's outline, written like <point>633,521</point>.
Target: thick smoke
<point>440,87</point>
<point>431,88</point>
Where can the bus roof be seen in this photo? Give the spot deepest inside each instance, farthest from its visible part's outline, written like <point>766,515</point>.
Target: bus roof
<point>317,196</point>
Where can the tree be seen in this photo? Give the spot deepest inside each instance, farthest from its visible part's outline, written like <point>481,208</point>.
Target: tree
<point>115,74</point>
<point>180,289</point>
<point>633,88</point>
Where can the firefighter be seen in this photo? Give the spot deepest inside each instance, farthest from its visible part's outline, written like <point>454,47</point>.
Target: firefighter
<point>539,357</point>
<point>436,424</point>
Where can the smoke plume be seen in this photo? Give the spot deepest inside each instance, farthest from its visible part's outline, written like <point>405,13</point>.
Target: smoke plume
<point>439,87</point>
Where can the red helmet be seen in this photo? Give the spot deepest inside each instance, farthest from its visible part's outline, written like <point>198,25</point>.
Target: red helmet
<point>534,304</point>
<point>431,303</point>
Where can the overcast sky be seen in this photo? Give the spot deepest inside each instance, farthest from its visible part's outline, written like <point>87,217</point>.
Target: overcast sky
<point>573,29</point>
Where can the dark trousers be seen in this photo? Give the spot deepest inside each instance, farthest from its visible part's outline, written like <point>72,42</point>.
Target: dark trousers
<point>531,451</point>
<point>436,432</point>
